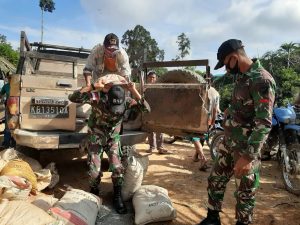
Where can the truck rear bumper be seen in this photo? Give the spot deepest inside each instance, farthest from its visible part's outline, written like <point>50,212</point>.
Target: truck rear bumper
<point>58,140</point>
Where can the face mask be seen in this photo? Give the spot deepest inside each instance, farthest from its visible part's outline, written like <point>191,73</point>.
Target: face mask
<point>235,70</point>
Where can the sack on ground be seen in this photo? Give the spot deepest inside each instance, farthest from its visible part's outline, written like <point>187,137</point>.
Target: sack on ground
<point>7,155</point>
<point>43,178</point>
<point>22,169</point>
<point>43,201</point>
<point>54,174</point>
<point>142,159</point>
<point>14,188</point>
<point>34,164</point>
<point>152,204</point>
<point>21,212</point>
<point>76,207</point>
<point>133,178</point>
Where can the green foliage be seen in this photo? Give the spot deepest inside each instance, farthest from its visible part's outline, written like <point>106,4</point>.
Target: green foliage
<point>47,5</point>
<point>224,85</point>
<point>184,46</point>
<point>225,93</point>
<point>7,52</point>
<point>140,46</point>
<point>289,86</point>
<point>284,65</point>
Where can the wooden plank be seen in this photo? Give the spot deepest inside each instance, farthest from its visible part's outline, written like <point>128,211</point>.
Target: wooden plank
<point>40,55</point>
<point>24,43</point>
<point>37,44</point>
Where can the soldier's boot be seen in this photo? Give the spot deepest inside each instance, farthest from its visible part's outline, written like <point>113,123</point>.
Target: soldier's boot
<point>118,201</point>
<point>240,223</point>
<point>213,218</point>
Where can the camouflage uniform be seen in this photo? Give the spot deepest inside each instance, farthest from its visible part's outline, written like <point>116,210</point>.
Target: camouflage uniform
<point>246,129</point>
<point>103,135</point>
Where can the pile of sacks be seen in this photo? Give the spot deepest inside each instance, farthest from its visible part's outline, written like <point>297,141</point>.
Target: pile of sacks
<point>21,202</point>
<point>151,203</point>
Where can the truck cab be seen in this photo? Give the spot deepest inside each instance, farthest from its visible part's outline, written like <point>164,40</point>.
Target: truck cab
<point>41,116</point>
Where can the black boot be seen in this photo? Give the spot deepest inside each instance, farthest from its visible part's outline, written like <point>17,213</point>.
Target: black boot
<point>118,201</point>
<point>213,218</point>
<point>240,223</point>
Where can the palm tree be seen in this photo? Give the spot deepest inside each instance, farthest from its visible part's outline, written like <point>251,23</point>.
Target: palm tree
<point>46,6</point>
<point>288,48</point>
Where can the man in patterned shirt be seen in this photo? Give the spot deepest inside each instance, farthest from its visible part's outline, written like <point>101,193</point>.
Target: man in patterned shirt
<point>105,59</point>
<point>246,127</point>
<point>108,107</point>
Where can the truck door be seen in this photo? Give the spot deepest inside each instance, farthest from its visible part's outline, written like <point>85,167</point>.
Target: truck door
<point>46,80</point>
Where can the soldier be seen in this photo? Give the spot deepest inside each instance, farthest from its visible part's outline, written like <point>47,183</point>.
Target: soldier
<point>246,127</point>
<point>108,107</point>
<point>105,59</point>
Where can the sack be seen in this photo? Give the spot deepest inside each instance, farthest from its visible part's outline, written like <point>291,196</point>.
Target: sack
<point>133,178</point>
<point>76,207</point>
<point>83,110</point>
<point>112,78</point>
<point>54,174</point>
<point>7,155</point>
<point>20,168</point>
<point>43,178</point>
<point>20,212</point>
<point>34,164</point>
<point>14,188</point>
<point>43,201</point>
<point>152,204</point>
<point>142,159</point>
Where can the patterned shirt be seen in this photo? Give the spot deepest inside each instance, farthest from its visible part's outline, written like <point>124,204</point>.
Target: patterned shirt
<point>95,63</point>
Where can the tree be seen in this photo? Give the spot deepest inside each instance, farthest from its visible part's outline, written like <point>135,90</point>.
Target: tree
<point>7,52</point>
<point>287,49</point>
<point>184,46</point>
<point>46,6</point>
<point>140,46</point>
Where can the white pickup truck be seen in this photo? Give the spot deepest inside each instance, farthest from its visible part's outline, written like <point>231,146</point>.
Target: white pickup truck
<point>42,117</point>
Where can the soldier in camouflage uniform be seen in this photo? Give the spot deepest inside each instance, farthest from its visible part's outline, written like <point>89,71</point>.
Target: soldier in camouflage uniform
<point>248,122</point>
<point>108,108</point>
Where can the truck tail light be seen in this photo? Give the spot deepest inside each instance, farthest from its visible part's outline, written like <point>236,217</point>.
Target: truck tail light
<point>13,105</point>
<point>13,115</point>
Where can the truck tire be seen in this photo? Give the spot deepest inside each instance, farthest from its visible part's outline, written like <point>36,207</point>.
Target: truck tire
<point>181,76</point>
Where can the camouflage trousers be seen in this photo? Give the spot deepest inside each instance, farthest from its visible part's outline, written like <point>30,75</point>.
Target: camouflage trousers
<point>228,153</point>
<point>96,145</point>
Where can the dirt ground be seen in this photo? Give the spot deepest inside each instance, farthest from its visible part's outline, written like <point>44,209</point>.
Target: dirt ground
<point>187,187</point>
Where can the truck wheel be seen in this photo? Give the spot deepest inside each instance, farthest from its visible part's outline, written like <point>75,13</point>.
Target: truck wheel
<point>181,76</point>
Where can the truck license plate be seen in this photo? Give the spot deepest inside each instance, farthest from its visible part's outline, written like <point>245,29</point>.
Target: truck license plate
<point>44,108</point>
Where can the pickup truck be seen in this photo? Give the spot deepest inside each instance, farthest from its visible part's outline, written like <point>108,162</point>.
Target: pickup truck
<point>42,117</point>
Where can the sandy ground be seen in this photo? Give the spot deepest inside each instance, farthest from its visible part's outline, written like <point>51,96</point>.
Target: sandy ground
<point>187,187</point>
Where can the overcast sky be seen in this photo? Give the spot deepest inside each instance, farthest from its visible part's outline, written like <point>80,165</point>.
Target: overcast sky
<point>262,25</point>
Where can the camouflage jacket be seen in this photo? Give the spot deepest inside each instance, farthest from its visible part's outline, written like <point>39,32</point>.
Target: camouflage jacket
<point>101,121</point>
<point>252,105</point>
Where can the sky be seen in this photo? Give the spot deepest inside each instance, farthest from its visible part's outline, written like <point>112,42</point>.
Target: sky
<point>262,25</point>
